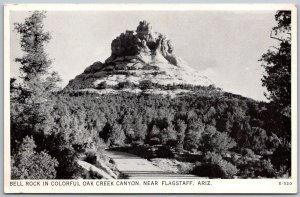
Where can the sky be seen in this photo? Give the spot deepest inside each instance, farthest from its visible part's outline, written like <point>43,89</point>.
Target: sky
<point>225,46</point>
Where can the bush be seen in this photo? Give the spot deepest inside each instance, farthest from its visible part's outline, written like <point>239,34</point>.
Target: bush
<point>80,147</point>
<point>146,84</point>
<point>208,170</point>
<point>216,141</point>
<point>172,143</point>
<point>154,141</point>
<point>60,147</point>
<point>150,67</point>
<point>28,164</point>
<point>123,85</point>
<point>259,140</point>
<point>68,167</point>
<point>282,157</point>
<point>102,85</point>
<point>164,152</point>
<point>253,168</point>
<point>91,157</point>
<point>247,152</point>
<point>116,136</point>
<point>215,167</point>
<point>265,169</point>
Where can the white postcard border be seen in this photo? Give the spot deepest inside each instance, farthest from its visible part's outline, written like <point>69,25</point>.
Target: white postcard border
<point>217,185</point>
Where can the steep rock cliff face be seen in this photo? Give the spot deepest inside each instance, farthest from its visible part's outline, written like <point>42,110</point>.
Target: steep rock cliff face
<point>136,57</point>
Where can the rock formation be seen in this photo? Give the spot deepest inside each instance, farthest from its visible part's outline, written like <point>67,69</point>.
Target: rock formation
<point>144,42</point>
<point>137,56</point>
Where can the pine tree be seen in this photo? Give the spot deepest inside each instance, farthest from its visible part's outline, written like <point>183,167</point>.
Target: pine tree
<point>117,136</point>
<point>31,102</point>
<point>29,164</point>
<point>277,64</point>
<point>33,38</point>
<point>181,127</point>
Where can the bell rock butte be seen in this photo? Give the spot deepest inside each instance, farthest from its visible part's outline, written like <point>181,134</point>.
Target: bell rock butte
<point>138,58</point>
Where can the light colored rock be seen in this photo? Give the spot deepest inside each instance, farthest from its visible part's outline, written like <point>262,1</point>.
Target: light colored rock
<point>138,56</point>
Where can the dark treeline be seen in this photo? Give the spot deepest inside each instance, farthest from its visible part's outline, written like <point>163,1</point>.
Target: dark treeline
<point>148,84</point>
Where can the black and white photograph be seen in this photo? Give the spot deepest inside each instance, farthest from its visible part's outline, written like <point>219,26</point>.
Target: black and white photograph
<point>165,97</point>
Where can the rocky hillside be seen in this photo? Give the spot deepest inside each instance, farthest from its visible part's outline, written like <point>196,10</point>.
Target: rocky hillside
<point>138,57</point>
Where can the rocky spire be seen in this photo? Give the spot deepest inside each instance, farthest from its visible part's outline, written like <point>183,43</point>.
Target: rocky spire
<point>142,41</point>
<point>144,30</point>
<point>137,56</point>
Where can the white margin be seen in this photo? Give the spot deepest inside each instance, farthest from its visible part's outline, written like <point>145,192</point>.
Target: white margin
<point>218,185</point>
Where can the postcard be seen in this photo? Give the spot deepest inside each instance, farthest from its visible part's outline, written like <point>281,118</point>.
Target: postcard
<point>150,98</point>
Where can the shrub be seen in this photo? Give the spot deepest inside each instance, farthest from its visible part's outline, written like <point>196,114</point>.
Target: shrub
<point>259,140</point>
<point>60,147</point>
<point>117,136</point>
<point>123,85</point>
<point>146,84</point>
<point>154,141</point>
<point>253,168</point>
<point>150,67</point>
<point>282,156</point>
<point>68,167</point>
<point>102,85</point>
<point>215,167</point>
<point>216,141</point>
<point>91,157</point>
<point>265,169</point>
<point>168,136</point>
<point>80,147</point>
<point>247,152</point>
<point>172,143</point>
<point>29,164</point>
<point>208,170</point>
<point>164,152</point>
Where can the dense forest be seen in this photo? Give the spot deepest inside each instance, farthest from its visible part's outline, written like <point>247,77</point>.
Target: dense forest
<point>194,123</point>
<point>209,126</point>
<point>228,135</point>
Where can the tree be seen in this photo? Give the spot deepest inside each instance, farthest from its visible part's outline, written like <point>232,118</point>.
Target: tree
<point>32,101</point>
<point>33,105</point>
<point>145,84</point>
<point>194,131</point>
<point>29,164</point>
<point>153,135</point>
<point>35,64</point>
<point>117,136</point>
<point>214,166</point>
<point>102,85</point>
<point>277,80</point>
<point>216,141</point>
<point>32,40</point>
<point>259,140</point>
<point>277,64</point>
<point>281,157</point>
<point>168,135</point>
<point>140,130</point>
<point>180,128</point>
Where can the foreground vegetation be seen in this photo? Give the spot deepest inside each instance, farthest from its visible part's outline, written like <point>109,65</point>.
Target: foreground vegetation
<point>212,127</point>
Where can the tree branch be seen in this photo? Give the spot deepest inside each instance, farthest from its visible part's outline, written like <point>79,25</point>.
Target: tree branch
<point>274,47</point>
<point>275,37</point>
